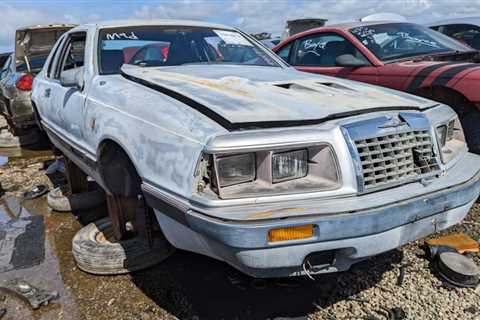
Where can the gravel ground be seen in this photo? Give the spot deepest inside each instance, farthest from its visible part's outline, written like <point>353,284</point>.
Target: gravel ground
<point>189,286</point>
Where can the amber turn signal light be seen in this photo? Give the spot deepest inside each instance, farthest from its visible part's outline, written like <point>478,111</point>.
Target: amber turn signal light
<point>291,233</point>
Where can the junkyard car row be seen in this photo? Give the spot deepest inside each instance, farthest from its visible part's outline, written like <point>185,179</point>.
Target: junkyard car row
<point>245,159</point>
<point>32,46</point>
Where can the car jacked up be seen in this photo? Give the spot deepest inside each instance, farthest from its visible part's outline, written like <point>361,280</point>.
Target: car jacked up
<point>243,158</point>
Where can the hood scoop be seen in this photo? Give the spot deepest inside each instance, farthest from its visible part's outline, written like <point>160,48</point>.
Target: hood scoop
<point>334,85</point>
<point>297,86</point>
<point>294,86</point>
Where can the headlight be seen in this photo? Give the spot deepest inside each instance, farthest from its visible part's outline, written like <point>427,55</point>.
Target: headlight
<point>289,165</point>
<point>272,172</point>
<point>450,139</point>
<point>235,169</point>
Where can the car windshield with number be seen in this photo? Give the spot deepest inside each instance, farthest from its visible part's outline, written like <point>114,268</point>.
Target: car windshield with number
<point>172,46</point>
<point>393,41</point>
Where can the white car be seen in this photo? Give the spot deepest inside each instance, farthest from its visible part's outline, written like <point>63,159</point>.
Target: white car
<point>243,158</point>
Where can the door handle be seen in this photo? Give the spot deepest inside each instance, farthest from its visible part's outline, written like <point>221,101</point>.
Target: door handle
<point>46,93</point>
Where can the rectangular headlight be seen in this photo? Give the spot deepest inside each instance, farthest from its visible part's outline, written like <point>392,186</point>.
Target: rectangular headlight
<point>442,135</point>
<point>450,139</point>
<point>235,169</point>
<point>289,165</point>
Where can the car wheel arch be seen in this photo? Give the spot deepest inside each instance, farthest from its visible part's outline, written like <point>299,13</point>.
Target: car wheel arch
<point>36,115</point>
<point>116,167</point>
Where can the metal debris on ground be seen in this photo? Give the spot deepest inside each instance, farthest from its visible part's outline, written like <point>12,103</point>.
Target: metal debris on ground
<point>34,296</point>
<point>457,269</point>
<point>401,274</point>
<point>22,243</point>
<point>58,165</point>
<point>12,207</point>
<point>459,241</point>
<point>35,192</point>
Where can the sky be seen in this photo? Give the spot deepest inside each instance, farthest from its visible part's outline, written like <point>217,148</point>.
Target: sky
<point>248,15</point>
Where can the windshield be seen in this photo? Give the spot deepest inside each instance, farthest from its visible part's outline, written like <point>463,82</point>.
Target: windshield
<point>153,46</point>
<point>402,40</point>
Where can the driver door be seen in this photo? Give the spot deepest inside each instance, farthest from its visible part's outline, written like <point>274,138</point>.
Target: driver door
<point>69,102</point>
<point>317,53</point>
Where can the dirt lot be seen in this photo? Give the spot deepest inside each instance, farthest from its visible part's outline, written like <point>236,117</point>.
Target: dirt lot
<point>190,286</point>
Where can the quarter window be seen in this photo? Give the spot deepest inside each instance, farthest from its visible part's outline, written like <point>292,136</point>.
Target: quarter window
<point>284,53</point>
<point>323,50</point>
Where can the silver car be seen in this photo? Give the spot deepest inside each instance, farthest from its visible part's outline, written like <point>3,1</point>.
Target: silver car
<point>32,46</point>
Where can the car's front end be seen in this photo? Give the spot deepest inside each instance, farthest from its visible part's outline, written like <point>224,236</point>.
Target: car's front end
<point>316,199</point>
<point>281,172</point>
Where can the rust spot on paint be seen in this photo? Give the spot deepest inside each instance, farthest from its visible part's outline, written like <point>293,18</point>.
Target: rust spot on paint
<point>270,213</point>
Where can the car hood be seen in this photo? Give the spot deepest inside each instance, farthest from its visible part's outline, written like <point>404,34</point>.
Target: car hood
<point>250,94</point>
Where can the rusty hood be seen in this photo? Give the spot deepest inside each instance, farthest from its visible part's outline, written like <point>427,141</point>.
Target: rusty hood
<point>251,94</point>
<point>37,41</point>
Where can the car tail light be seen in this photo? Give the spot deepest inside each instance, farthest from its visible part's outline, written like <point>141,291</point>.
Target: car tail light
<point>24,83</point>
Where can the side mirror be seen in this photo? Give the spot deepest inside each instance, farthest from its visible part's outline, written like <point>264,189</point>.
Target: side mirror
<point>72,78</point>
<point>348,60</point>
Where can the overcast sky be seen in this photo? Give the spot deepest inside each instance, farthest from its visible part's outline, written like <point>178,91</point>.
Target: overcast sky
<point>251,16</point>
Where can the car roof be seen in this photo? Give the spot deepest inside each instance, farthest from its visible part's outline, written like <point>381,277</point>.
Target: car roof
<point>355,24</point>
<point>475,20</point>
<point>47,26</point>
<point>156,22</point>
<point>339,26</point>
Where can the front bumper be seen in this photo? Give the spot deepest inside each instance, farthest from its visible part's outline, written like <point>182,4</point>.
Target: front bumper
<point>348,236</point>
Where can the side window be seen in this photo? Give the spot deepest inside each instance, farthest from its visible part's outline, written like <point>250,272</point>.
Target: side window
<point>466,33</point>
<point>284,53</point>
<point>322,50</point>
<point>54,58</point>
<point>5,68</point>
<point>72,54</point>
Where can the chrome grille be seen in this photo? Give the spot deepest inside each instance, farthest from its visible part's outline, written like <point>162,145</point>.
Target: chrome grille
<point>396,158</point>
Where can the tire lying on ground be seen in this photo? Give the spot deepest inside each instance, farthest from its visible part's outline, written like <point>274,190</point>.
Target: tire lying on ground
<point>8,140</point>
<point>96,254</point>
<point>58,201</point>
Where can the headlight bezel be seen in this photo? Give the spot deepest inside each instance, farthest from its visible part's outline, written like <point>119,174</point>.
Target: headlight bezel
<point>263,185</point>
<point>451,141</point>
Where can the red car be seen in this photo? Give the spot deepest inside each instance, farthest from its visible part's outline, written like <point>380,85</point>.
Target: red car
<point>402,56</point>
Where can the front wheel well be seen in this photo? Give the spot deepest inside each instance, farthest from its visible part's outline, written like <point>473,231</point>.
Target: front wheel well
<point>118,173</point>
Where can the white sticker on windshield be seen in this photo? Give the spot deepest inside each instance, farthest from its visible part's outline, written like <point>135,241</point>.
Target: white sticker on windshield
<point>232,37</point>
<point>121,36</point>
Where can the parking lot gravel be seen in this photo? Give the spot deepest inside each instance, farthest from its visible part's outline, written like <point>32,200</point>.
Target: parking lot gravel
<point>190,286</point>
